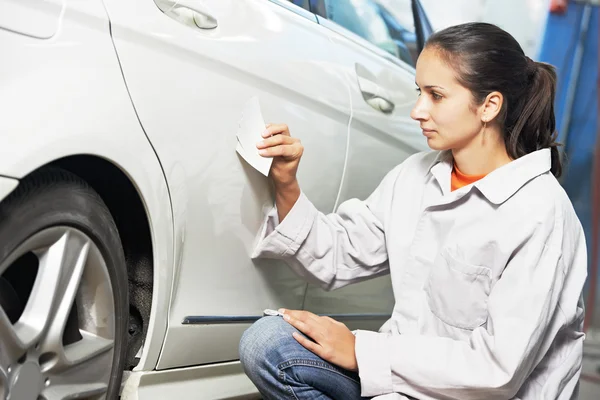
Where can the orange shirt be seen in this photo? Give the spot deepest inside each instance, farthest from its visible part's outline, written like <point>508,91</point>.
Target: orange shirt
<point>459,179</point>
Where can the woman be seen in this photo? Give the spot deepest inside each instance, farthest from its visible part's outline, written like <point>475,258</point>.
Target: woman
<point>486,255</point>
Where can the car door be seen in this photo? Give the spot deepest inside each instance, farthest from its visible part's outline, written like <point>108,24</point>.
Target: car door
<point>383,93</point>
<point>190,67</point>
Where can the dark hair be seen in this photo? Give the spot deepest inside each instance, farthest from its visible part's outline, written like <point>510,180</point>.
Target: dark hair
<point>488,59</point>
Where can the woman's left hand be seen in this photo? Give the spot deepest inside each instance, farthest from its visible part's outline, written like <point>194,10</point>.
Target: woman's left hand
<point>334,341</point>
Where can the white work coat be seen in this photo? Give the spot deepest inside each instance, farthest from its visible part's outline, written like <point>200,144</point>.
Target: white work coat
<point>487,278</point>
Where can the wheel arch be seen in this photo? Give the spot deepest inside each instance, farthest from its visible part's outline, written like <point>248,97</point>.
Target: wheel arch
<point>126,206</point>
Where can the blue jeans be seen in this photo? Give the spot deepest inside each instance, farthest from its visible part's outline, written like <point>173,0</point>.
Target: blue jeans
<point>281,368</point>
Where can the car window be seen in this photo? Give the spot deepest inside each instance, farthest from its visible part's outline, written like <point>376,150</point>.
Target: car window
<point>399,18</point>
<point>388,24</point>
<point>401,11</point>
<point>301,3</point>
<point>300,7</point>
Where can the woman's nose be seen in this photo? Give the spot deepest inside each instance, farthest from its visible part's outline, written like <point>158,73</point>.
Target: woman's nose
<point>418,113</point>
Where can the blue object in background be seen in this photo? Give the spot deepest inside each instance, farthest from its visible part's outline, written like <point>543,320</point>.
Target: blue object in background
<point>574,52</point>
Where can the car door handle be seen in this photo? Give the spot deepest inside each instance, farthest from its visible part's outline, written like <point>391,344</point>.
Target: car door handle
<point>188,12</point>
<point>381,104</point>
<point>375,96</point>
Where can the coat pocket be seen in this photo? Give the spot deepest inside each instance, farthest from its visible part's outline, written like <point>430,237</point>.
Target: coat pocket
<point>457,292</point>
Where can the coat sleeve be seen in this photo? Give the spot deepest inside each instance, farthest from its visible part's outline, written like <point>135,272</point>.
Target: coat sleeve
<point>332,250</point>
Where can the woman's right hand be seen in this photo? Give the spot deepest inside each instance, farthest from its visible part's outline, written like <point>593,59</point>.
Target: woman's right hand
<point>286,152</point>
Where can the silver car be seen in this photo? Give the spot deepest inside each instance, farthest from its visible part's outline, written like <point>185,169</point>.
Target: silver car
<point>127,218</point>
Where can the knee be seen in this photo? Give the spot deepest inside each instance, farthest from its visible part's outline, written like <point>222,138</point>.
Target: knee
<point>262,342</point>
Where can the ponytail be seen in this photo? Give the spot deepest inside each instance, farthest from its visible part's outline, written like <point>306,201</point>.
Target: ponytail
<point>535,127</point>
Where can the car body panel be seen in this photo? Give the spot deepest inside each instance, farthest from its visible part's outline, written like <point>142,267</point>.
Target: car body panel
<point>217,381</point>
<point>189,86</point>
<point>66,96</point>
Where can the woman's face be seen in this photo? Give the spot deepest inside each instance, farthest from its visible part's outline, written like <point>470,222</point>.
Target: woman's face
<point>444,109</point>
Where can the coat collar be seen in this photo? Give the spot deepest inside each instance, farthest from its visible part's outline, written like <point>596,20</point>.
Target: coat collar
<point>500,184</point>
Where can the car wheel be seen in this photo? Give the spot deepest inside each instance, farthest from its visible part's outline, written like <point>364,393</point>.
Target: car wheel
<point>63,292</point>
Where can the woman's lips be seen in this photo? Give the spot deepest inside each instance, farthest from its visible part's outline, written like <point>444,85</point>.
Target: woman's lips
<point>428,132</point>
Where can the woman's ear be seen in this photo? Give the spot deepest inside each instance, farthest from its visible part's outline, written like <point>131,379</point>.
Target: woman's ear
<point>491,106</point>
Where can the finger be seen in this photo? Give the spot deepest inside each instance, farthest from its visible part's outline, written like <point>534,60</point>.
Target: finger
<point>309,324</point>
<point>305,327</point>
<point>308,344</point>
<point>276,129</point>
<point>289,312</point>
<point>285,150</point>
<point>275,140</point>
<point>302,315</point>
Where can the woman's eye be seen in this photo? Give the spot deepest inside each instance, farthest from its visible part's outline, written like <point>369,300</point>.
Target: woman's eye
<point>418,91</point>
<point>436,96</point>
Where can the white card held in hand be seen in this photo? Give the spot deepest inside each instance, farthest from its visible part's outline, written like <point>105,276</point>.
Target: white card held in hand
<point>250,129</point>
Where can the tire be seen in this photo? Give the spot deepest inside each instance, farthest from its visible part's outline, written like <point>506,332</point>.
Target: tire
<point>55,212</point>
